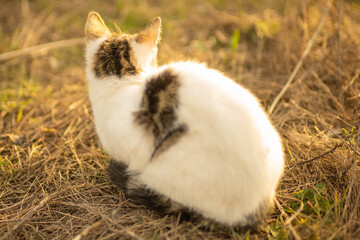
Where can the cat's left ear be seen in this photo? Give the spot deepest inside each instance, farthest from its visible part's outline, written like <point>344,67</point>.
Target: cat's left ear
<point>95,27</point>
<point>151,35</point>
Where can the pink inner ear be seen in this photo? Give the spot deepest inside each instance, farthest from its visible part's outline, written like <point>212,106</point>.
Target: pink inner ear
<point>147,37</point>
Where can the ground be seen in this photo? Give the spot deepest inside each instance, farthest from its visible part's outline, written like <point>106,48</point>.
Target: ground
<point>53,181</point>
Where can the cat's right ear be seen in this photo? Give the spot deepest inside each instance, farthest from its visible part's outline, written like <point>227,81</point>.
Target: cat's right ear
<point>151,34</point>
<point>95,27</point>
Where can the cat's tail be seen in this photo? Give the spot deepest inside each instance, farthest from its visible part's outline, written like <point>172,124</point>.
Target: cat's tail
<point>138,193</point>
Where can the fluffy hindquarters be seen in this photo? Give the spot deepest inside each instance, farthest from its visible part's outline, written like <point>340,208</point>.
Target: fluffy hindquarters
<point>138,193</point>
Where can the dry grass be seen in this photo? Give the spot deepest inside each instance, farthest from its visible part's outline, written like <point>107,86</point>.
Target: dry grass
<point>53,182</point>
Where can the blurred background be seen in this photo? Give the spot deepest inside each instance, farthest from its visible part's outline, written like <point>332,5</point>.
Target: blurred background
<point>48,144</point>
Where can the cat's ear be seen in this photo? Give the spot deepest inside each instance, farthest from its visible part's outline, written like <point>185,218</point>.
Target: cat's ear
<point>151,34</point>
<point>95,27</point>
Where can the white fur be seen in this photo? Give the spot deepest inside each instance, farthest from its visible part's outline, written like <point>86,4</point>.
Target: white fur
<point>226,165</point>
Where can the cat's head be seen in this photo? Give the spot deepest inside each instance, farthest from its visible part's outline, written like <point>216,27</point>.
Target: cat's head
<point>118,54</point>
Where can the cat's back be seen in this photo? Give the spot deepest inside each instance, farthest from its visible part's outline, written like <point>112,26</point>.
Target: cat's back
<point>223,140</point>
<point>208,98</point>
<point>199,83</point>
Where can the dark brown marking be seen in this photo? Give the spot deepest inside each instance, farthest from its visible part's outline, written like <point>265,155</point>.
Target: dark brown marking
<point>138,193</point>
<point>158,110</point>
<point>150,199</point>
<point>168,140</point>
<point>119,174</point>
<point>115,57</point>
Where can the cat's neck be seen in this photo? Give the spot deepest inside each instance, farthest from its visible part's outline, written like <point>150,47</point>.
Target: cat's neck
<point>146,70</point>
<point>103,89</point>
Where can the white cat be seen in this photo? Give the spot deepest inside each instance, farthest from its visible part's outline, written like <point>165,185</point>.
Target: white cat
<point>181,136</point>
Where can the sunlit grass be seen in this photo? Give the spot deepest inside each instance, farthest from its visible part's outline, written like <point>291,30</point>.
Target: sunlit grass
<point>48,142</point>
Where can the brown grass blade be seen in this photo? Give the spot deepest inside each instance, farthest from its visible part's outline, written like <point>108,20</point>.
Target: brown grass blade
<point>303,56</point>
<point>41,48</point>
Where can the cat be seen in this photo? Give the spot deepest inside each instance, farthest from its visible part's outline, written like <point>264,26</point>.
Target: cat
<point>182,136</point>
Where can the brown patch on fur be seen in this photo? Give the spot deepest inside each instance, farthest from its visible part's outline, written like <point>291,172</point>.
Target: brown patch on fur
<point>168,140</point>
<point>115,57</point>
<point>128,182</point>
<point>157,110</point>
